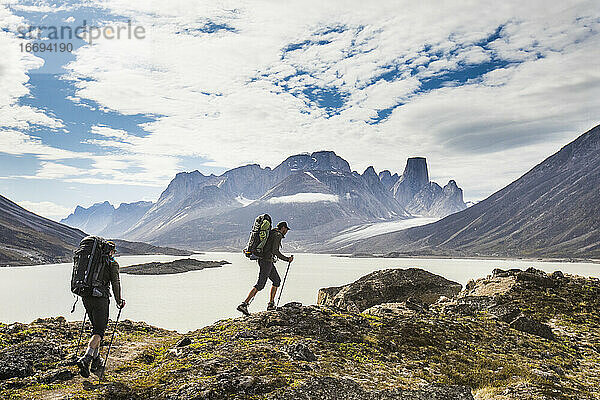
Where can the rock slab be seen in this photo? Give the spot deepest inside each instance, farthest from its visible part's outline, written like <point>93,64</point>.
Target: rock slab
<point>388,286</point>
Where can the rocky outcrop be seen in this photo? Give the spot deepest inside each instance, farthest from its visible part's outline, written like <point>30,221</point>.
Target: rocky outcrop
<point>329,388</point>
<point>494,295</point>
<point>173,267</point>
<point>455,348</point>
<point>388,286</point>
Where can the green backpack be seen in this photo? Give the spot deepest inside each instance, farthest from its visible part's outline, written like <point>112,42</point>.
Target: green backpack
<point>258,236</point>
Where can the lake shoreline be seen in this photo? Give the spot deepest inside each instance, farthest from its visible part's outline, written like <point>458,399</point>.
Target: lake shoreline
<point>482,258</point>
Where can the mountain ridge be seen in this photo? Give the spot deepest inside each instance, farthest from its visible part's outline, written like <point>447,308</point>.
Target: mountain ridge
<point>550,211</point>
<point>192,201</point>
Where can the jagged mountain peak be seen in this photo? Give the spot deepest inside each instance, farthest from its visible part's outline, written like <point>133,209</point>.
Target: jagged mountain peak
<point>387,179</point>
<point>316,161</point>
<point>418,195</point>
<point>370,171</point>
<point>186,174</point>
<point>551,211</point>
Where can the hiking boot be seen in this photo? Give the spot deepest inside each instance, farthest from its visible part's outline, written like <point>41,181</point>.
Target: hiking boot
<point>271,306</point>
<point>96,364</point>
<point>84,365</point>
<point>243,308</point>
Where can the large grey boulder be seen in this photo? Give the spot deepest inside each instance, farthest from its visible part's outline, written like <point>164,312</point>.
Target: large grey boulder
<point>388,286</point>
<point>330,388</point>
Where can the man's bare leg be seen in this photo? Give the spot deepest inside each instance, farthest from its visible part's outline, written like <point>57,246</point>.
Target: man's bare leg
<point>95,342</point>
<point>251,295</point>
<point>92,352</point>
<point>273,293</point>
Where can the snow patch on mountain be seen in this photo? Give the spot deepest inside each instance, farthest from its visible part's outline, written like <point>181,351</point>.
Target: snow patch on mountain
<point>312,176</point>
<point>370,230</point>
<point>305,198</point>
<point>244,201</point>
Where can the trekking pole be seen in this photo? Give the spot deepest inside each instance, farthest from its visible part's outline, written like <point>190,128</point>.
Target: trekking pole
<point>283,284</point>
<point>110,345</point>
<point>80,335</point>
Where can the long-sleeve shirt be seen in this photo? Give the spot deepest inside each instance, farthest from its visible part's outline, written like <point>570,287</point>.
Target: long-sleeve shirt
<point>112,276</point>
<point>272,248</point>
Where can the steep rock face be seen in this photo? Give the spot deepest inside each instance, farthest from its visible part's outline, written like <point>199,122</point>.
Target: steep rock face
<point>27,238</point>
<point>317,161</point>
<point>387,179</point>
<point>188,196</point>
<point>92,219</point>
<point>419,196</point>
<point>413,179</point>
<point>450,202</point>
<point>181,186</point>
<point>553,210</point>
<point>250,181</point>
<point>388,286</point>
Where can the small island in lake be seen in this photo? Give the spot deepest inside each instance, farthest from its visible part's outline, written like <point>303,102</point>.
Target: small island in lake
<point>172,267</point>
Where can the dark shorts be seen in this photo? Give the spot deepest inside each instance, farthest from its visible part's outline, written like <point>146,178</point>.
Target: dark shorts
<point>267,270</point>
<point>97,311</point>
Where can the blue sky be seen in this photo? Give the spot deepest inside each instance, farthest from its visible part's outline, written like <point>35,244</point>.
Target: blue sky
<point>483,92</point>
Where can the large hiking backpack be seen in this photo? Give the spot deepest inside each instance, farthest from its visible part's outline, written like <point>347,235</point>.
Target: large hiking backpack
<point>258,236</point>
<point>89,263</point>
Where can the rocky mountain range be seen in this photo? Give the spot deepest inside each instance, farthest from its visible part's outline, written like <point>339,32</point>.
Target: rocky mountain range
<point>551,211</point>
<point>106,220</point>
<point>317,193</point>
<point>28,239</point>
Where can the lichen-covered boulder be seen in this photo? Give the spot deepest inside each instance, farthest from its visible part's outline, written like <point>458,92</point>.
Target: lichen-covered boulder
<point>330,388</point>
<point>388,286</point>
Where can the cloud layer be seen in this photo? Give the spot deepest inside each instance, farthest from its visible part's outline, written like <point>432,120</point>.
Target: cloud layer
<point>483,90</point>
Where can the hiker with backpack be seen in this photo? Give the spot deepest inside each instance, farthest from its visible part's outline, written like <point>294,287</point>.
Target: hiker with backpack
<point>94,270</point>
<point>267,255</point>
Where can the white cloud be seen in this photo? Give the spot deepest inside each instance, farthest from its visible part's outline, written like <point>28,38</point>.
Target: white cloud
<point>14,65</point>
<point>46,209</point>
<point>220,95</point>
<point>111,133</point>
<point>305,198</point>
<point>17,143</point>
<point>52,170</point>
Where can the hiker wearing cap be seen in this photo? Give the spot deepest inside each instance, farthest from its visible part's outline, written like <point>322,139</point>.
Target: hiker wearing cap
<point>96,306</point>
<point>266,262</point>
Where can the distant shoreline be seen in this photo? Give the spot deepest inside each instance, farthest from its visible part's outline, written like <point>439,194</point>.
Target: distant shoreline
<point>483,258</point>
<point>172,267</point>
